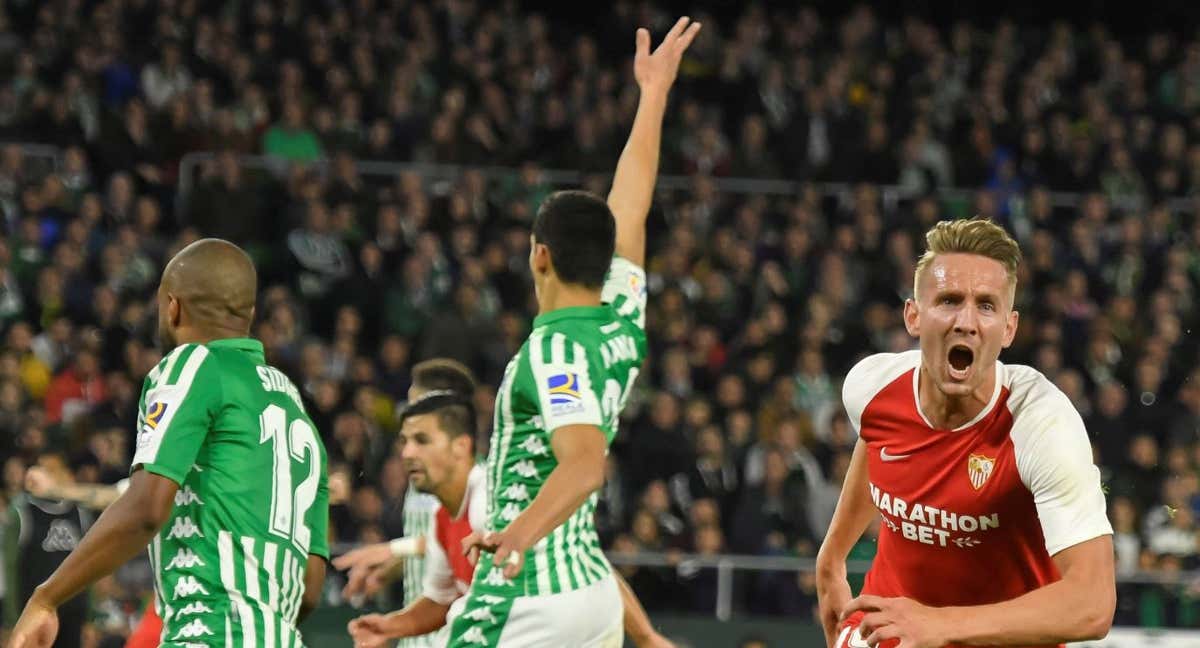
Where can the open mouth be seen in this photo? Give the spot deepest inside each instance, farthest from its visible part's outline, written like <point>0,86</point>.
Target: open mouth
<point>960,358</point>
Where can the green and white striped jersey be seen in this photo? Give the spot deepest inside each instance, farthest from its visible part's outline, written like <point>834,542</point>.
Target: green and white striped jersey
<point>577,367</point>
<point>253,499</point>
<point>418,517</point>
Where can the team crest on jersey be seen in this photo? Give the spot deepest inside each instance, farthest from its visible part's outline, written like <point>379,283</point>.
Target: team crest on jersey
<point>154,414</point>
<point>979,468</point>
<point>565,397</point>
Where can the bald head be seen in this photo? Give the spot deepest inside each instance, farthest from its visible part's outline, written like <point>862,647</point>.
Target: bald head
<point>215,285</point>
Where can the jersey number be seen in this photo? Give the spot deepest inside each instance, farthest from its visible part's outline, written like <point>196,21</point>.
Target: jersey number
<point>289,508</point>
<point>614,399</point>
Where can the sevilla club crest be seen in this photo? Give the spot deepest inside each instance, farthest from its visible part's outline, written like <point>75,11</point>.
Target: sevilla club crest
<point>980,468</point>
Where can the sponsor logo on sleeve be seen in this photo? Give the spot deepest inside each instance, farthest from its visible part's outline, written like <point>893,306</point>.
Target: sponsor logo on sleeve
<point>565,397</point>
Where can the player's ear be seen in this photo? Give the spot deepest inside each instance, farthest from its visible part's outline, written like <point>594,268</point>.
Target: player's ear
<point>1010,328</point>
<point>462,445</point>
<point>540,259</point>
<point>174,310</point>
<point>912,317</point>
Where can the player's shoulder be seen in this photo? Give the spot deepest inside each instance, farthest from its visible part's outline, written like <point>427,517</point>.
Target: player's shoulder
<point>180,366</point>
<point>1031,395</point>
<point>871,375</point>
<point>1036,404</point>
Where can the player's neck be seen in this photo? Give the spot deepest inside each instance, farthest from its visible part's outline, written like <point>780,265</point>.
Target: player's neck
<point>947,412</point>
<point>556,295</point>
<point>451,493</point>
<point>199,335</point>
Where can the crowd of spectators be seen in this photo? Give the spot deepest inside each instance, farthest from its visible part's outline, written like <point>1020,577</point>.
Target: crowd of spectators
<point>735,440</point>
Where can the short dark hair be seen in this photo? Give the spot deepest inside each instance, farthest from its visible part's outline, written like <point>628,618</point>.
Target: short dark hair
<point>455,412</point>
<point>580,231</point>
<point>444,374</point>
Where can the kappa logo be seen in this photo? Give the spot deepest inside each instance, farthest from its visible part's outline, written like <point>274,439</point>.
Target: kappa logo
<point>510,512</point>
<point>195,607</point>
<point>474,635</point>
<point>61,536</point>
<point>483,614</point>
<point>194,629</point>
<point>979,468</point>
<point>534,446</point>
<point>189,586</point>
<point>184,528</point>
<point>187,496</point>
<point>496,578</point>
<point>185,559</point>
<point>524,468</point>
<point>489,599</point>
<point>517,492</point>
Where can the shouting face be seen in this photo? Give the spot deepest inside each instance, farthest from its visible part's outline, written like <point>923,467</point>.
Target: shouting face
<point>963,315</point>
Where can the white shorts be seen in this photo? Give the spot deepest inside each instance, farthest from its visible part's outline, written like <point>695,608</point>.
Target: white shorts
<point>590,617</point>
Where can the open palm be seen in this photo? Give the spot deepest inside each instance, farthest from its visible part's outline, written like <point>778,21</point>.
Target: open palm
<point>658,69</point>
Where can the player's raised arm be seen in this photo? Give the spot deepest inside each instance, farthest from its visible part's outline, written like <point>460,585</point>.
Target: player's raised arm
<point>637,170</point>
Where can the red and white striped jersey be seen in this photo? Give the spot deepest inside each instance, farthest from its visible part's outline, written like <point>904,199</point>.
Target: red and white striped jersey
<point>447,571</point>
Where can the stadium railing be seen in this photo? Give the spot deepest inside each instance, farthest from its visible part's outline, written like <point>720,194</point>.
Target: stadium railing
<point>727,567</point>
<point>890,195</point>
<point>46,157</point>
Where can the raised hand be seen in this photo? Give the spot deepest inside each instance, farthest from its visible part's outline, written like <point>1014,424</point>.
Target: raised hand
<point>657,70</point>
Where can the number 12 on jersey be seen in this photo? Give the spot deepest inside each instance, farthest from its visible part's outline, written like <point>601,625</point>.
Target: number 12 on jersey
<point>289,508</point>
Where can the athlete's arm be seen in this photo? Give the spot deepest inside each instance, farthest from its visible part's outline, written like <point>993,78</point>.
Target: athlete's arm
<point>579,450</point>
<point>637,169</point>
<point>853,515</point>
<point>39,483</point>
<point>423,616</point>
<point>1077,608</point>
<point>371,565</point>
<point>314,582</point>
<point>122,532</point>
<point>637,622</point>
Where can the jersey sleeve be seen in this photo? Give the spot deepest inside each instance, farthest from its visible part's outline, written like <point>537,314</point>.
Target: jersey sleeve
<point>625,290</point>
<point>318,515</point>
<point>477,502</point>
<point>438,582</point>
<point>563,382</point>
<point>1054,459</point>
<point>177,412</point>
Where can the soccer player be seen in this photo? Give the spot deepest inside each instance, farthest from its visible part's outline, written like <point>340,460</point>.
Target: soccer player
<point>438,431</point>
<point>370,565</point>
<point>228,482</point>
<point>41,532</point>
<point>994,529</point>
<point>47,484</point>
<point>557,407</point>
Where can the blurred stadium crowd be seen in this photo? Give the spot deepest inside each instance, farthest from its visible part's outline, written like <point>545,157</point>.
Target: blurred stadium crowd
<point>759,302</point>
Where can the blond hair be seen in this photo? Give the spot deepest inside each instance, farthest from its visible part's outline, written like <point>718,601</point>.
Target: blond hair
<point>975,236</point>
